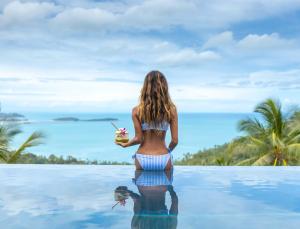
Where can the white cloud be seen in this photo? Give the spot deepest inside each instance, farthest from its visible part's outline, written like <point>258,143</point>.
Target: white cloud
<point>223,39</point>
<point>282,79</point>
<point>194,14</point>
<point>79,91</point>
<point>265,41</point>
<point>157,14</point>
<point>84,19</point>
<point>17,13</point>
<point>251,42</point>
<point>145,15</point>
<point>99,95</point>
<point>87,51</point>
<point>220,93</point>
<point>187,56</point>
<point>259,50</point>
<point>267,80</point>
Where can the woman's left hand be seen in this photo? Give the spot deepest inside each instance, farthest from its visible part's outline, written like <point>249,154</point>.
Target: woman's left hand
<point>121,144</point>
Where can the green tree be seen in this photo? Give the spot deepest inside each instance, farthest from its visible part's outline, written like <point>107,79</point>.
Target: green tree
<point>272,139</point>
<point>7,134</point>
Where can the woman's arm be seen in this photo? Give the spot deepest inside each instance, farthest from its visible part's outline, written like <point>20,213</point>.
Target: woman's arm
<point>138,138</point>
<point>174,130</point>
<point>174,201</point>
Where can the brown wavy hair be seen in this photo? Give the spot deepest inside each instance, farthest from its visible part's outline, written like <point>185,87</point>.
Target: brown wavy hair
<point>155,104</point>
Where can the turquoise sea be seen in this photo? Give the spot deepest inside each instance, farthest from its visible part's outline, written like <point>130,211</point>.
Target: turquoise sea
<point>95,140</point>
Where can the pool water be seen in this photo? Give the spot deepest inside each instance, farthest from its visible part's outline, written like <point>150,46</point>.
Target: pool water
<point>64,196</point>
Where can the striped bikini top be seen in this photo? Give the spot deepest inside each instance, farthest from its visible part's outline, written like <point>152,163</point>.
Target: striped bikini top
<point>164,126</point>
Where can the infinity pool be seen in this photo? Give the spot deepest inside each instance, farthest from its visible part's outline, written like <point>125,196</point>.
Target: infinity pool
<point>53,196</point>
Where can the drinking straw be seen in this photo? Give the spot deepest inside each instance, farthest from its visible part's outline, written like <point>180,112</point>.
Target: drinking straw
<point>115,205</point>
<point>114,126</point>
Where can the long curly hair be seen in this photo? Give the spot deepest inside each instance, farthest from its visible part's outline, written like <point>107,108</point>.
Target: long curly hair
<point>155,104</point>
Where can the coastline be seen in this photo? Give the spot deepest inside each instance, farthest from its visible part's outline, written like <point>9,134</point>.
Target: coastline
<point>30,158</point>
<point>95,140</point>
<point>69,140</point>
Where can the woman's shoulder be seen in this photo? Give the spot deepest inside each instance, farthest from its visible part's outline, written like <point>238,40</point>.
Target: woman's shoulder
<point>135,110</point>
<point>135,113</point>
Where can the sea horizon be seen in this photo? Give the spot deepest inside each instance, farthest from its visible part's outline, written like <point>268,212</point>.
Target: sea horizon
<point>95,140</point>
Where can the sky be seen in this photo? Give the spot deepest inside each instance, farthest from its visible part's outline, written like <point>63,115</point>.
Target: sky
<point>92,55</point>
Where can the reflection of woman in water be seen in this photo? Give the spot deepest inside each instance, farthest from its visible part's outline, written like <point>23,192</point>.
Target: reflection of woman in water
<point>150,210</point>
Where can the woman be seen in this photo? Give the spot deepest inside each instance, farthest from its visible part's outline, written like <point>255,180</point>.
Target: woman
<point>151,119</point>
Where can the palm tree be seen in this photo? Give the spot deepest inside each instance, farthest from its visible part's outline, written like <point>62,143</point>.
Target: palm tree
<point>7,133</point>
<point>274,139</point>
<point>295,120</point>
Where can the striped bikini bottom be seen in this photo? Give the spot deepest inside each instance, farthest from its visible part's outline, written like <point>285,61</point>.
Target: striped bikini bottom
<point>153,178</point>
<point>153,162</point>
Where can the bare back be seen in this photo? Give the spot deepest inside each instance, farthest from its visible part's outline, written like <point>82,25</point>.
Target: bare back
<point>153,142</point>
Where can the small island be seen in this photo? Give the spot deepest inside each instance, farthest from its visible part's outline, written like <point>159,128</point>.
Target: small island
<point>67,119</point>
<point>12,117</point>
<point>101,120</point>
<point>74,119</point>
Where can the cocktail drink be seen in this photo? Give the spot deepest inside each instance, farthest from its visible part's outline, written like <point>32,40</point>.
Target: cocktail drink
<point>121,135</point>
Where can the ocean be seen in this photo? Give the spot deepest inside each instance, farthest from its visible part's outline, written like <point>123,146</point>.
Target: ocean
<point>95,140</point>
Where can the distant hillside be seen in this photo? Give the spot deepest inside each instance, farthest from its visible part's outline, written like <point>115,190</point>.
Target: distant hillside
<point>218,155</point>
<point>30,158</point>
<point>227,154</point>
<point>203,157</point>
<point>12,117</point>
<point>271,139</point>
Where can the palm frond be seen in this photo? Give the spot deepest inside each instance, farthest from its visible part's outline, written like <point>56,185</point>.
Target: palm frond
<point>8,132</point>
<point>272,114</point>
<point>294,148</point>
<point>292,136</point>
<point>248,161</point>
<point>13,131</point>
<point>252,126</point>
<point>267,159</point>
<point>295,119</point>
<point>3,154</point>
<point>257,141</point>
<point>33,140</point>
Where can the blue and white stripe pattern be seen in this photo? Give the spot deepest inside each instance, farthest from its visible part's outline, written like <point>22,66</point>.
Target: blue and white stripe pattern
<point>153,162</point>
<point>164,126</point>
<point>153,178</point>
